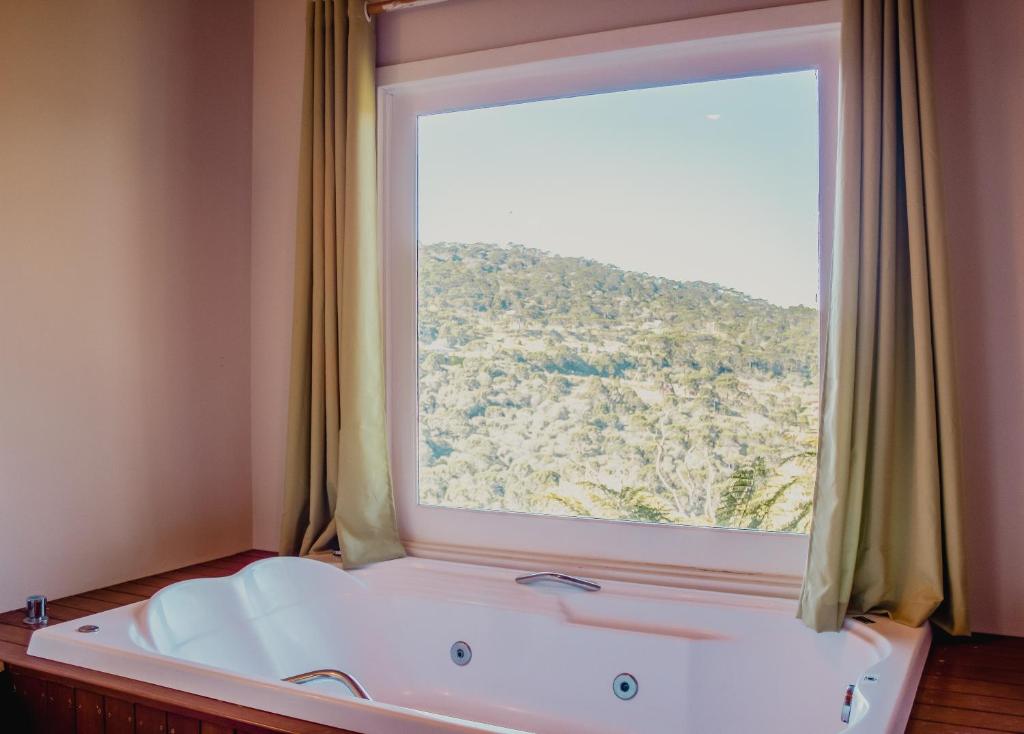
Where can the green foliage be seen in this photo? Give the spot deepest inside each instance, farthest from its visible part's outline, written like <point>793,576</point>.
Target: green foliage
<point>749,501</point>
<point>629,503</point>
<point>566,386</point>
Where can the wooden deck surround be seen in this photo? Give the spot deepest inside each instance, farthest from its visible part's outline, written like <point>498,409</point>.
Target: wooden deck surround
<point>972,686</point>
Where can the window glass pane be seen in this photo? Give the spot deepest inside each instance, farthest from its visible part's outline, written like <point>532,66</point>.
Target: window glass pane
<point>618,304</point>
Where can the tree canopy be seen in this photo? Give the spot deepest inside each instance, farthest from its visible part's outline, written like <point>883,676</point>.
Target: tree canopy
<point>566,386</point>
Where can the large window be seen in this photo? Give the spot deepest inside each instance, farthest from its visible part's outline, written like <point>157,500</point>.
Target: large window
<point>602,295</point>
<point>618,304</point>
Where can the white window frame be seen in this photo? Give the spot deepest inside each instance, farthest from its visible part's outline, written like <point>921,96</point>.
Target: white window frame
<point>736,44</point>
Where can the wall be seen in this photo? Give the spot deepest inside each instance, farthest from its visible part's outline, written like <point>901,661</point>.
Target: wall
<point>977,59</point>
<point>979,89</point>
<point>279,40</point>
<point>124,289</point>
<point>458,26</point>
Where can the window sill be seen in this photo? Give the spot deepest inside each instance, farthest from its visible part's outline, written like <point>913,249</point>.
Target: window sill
<point>779,586</point>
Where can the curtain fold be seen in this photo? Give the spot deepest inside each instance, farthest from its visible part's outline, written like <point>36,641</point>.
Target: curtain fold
<point>337,477</point>
<point>887,526</point>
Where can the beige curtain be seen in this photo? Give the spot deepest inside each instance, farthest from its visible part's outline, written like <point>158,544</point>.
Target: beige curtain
<point>886,534</point>
<point>337,481</point>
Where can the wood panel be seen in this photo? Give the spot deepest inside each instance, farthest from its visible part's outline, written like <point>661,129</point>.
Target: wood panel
<point>120,715</point>
<point>917,726</point>
<point>13,709</point>
<point>207,728</point>
<point>60,708</point>
<point>17,635</point>
<point>32,693</point>
<point>150,720</point>
<point>87,604</point>
<point>178,724</point>
<point>115,598</point>
<point>89,713</point>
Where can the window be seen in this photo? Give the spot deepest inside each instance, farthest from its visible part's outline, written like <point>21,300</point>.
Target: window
<point>602,281</point>
<point>617,304</point>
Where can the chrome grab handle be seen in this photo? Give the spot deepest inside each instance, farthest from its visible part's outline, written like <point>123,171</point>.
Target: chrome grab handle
<point>342,677</point>
<point>562,578</point>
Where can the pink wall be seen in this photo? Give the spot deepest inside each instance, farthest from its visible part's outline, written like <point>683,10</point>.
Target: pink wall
<point>278,55</point>
<point>124,289</point>
<point>979,79</point>
<point>458,26</point>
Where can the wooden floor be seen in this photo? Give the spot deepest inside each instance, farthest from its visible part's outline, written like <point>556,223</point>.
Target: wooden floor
<point>969,686</point>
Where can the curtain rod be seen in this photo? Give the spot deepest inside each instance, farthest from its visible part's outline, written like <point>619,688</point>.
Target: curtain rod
<point>376,7</point>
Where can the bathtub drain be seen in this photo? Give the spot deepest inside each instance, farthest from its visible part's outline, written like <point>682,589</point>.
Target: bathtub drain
<point>624,686</point>
<point>461,653</point>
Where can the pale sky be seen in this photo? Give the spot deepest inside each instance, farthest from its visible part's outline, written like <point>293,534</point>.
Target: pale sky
<point>714,181</point>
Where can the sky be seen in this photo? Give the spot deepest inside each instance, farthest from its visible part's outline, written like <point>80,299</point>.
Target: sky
<point>713,181</point>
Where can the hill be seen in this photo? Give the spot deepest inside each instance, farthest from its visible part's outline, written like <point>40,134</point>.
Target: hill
<point>563,385</point>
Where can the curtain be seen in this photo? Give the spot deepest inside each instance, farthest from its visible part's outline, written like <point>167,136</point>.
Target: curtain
<point>887,527</point>
<point>337,479</point>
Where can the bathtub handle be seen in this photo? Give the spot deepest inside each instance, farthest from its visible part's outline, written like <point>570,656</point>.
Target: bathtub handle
<point>342,677</point>
<point>562,578</point>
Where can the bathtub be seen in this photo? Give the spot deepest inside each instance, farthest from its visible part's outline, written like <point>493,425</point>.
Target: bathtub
<point>542,658</point>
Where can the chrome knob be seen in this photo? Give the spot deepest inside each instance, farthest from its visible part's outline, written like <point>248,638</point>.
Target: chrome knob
<point>35,610</point>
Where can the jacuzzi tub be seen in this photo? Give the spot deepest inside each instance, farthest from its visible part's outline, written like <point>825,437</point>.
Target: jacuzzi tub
<point>543,656</point>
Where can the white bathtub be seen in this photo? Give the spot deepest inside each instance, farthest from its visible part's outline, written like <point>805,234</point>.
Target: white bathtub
<point>543,656</point>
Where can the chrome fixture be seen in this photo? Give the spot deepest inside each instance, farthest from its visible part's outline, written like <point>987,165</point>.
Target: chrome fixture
<point>35,610</point>
<point>461,653</point>
<point>561,578</point>
<point>342,677</point>
<point>625,686</point>
<point>848,703</point>
<point>88,629</point>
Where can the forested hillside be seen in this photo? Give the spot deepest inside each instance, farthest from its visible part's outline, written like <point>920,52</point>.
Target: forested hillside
<point>566,386</point>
